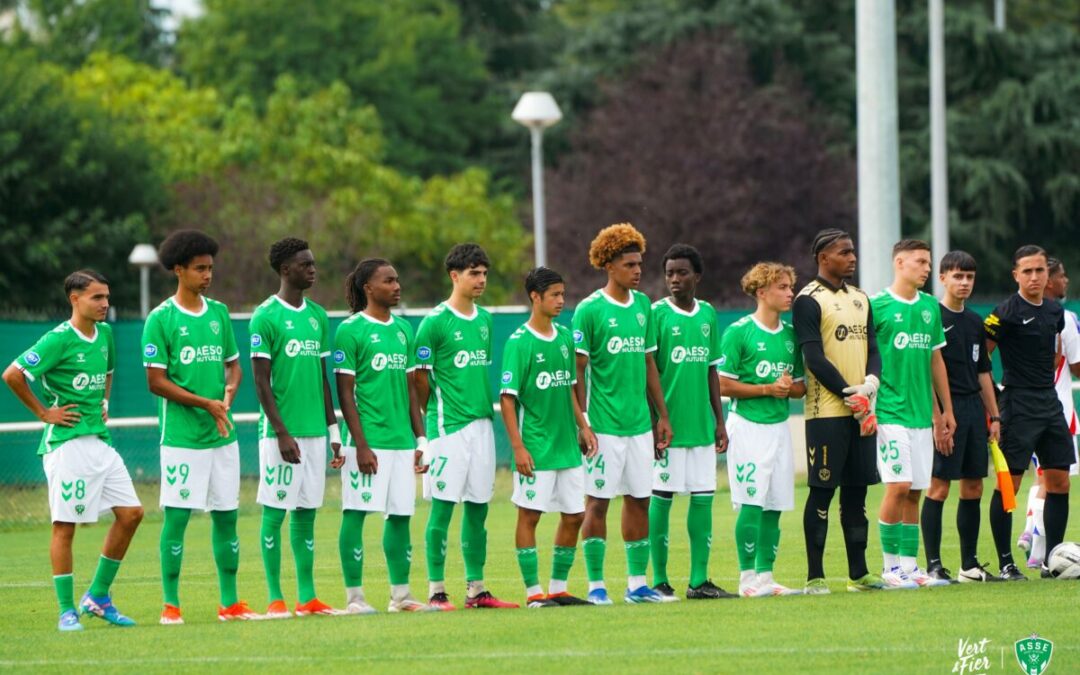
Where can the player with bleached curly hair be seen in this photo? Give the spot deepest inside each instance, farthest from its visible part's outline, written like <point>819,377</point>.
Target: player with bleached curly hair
<point>617,380</point>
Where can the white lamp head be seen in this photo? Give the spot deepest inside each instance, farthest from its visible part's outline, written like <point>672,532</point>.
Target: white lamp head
<point>536,109</point>
<point>143,255</point>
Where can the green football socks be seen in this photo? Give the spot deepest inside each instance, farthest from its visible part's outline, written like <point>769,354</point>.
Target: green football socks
<point>103,577</point>
<point>768,541</point>
<point>435,538</point>
<point>302,540</point>
<point>659,524</point>
<point>699,527</point>
<point>65,591</point>
<point>747,534</point>
<point>270,543</point>
<point>172,552</point>
<point>474,540</point>
<point>529,563</point>
<point>351,547</point>
<point>595,548</point>
<point>226,554</point>
<point>397,546</point>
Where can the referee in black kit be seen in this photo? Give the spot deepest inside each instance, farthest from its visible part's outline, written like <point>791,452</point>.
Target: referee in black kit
<point>1026,328</point>
<point>963,457</point>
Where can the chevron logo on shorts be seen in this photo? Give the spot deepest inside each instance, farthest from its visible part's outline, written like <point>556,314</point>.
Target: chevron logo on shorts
<point>65,490</point>
<point>269,475</point>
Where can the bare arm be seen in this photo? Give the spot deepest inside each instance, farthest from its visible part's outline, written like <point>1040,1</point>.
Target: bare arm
<point>365,459</point>
<point>523,461</point>
<point>655,393</point>
<point>989,399</point>
<point>105,400</point>
<point>586,437</point>
<point>161,385</point>
<point>582,363</point>
<point>290,451</point>
<point>423,389</point>
<point>64,416</point>
<point>720,436</point>
<point>233,375</point>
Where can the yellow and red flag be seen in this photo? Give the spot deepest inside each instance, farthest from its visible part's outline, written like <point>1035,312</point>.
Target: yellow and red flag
<point>1004,478</point>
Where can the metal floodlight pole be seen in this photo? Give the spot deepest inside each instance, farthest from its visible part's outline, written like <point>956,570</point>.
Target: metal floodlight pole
<point>539,216</point>
<point>878,144</point>
<point>144,256</point>
<point>999,14</point>
<point>939,178</point>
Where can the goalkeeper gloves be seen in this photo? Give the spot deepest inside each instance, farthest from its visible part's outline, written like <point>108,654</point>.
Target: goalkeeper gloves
<point>862,400</point>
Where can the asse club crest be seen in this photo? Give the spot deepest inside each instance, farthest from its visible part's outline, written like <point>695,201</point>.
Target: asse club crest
<point>1033,654</point>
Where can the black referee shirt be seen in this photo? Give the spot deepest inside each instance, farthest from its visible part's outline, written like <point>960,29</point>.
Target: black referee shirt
<point>965,350</point>
<point>1027,336</point>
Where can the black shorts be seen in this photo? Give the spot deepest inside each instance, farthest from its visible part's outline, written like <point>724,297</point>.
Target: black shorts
<point>1032,421</point>
<point>837,455</point>
<point>970,457</point>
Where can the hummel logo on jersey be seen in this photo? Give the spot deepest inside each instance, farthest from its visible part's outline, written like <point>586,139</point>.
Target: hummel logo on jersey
<point>761,346</point>
<point>458,336</point>
<point>375,338</point>
<point>613,322</point>
<point>183,331</point>
<point>288,324</point>
<point>898,317</point>
<point>539,358</point>
<point>676,330</point>
<point>80,357</point>
<point>1027,321</point>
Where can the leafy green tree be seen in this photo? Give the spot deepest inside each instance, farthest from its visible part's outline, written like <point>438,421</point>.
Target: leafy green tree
<point>408,59</point>
<point>75,190</point>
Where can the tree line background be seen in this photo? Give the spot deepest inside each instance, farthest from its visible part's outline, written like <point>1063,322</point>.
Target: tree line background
<point>382,128</point>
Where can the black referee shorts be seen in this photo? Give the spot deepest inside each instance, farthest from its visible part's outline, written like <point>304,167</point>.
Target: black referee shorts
<point>837,455</point>
<point>970,457</point>
<point>1032,421</point>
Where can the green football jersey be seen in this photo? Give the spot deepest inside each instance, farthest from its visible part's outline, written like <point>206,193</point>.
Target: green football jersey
<point>908,332</point>
<point>295,340</point>
<point>72,368</point>
<point>687,347</point>
<point>616,338</point>
<point>193,349</point>
<point>380,356</point>
<point>456,351</point>
<point>538,370</point>
<point>754,354</point>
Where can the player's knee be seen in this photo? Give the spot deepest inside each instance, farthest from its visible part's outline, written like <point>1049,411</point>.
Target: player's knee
<point>573,520</point>
<point>971,489</point>
<point>1056,481</point>
<point>129,518</point>
<point>596,508</point>
<point>63,531</point>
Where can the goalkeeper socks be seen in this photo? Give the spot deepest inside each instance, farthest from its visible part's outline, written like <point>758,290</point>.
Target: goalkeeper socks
<point>226,554</point>
<point>1001,529</point>
<point>637,562</point>
<point>768,543</point>
<point>561,562</point>
<point>397,546</point>
<point>1056,517</point>
<point>891,534</point>
<point>699,527</point>
<point>65,591</point>
<point>595,548</point>
<point>856,528</point>
<point>270,542</point>
<point>747,534</point>
<point>103,577</point>
<point>931,529</point>
<point>474,540</point>
<point>171,548</point>
<point>302,540</point>
<point>816,529</point>
<point>909,546</point>
<point>351,547</point>
<point>967,524</point>
<point>529,563</point>
<point>659,524</point>
<point>435,538</point>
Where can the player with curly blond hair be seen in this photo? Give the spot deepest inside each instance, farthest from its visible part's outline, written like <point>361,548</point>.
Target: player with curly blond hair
<point>760,369</point>
<point>617,379</point>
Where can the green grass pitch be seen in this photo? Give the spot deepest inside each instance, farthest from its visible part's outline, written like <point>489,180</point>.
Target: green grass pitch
<point>894,632</point>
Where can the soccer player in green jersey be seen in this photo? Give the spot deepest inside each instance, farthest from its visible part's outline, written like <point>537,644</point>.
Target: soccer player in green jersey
<point>192,364</point>
<point>290,340</point>
<point>760,369</point>
<point>615,338</point>
<point>548,434</point>
<point>910,338</point>
<point>374,362</point>
<point>453,352</point>
<point>85,475</point>
<point>688,346</point>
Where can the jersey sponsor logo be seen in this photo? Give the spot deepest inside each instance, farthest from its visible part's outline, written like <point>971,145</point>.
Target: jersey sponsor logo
<point>618,345</point>
<point>256,340</point>
<point>215,327</point>
<point>339,356</point>
<point>294,348</point>
<point>388,361</point>
<point>579,337</point>
<point>555,378</point>
<point>911,340</point>
<point>149,352</point>
<point>32,358</point>
<point>94,382</point>
<point>204,354</point>
<point>772,369</point>
<point>476,357</point>
<point>507,377</point>
<point>682,354</point>
<point>423,353</point>
<point>842,332</point>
